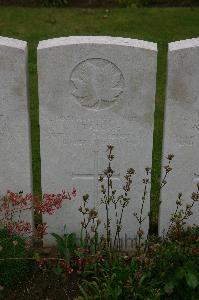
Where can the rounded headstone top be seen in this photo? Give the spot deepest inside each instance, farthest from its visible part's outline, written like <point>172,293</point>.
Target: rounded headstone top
<point>13,43</point>
<point>184,44</point>
<point>105,40</point>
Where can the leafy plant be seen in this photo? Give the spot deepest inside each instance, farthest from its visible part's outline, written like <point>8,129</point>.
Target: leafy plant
<point>109,283</point>
<point>166,269</point>
<point>13,205</point>
<point>160,269</point>
<point>66,244</point>
<point>180,216</point>
<point>13,263</point>
<point>89,226</point>
<point>17,235</point>
<point>71,253</point>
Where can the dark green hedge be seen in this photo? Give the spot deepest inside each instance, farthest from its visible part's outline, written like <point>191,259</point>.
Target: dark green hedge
<point>123,2</point>
<point>78,3</point>
<point>158,2</point>
<point>174,2</point>
<point>59,3</point>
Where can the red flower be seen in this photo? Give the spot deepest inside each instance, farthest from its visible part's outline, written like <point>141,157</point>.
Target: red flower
<point>74,192</point>
<point>70,270</point>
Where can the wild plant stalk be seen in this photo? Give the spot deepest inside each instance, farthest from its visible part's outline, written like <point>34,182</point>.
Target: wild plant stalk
<point>146,182</point>
<point>84,223</point>
<point>109,198</point>
<point>109,174</point>
<point>90,223</point>
<point>167,169</point>
<point>178,204</point>
<point>140,218</point>
<point>124,201</point>
<point>106,201</point>
<point>179,217</point>
<point>119,202</point>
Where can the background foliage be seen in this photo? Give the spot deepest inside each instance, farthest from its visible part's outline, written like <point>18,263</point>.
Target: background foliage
<point>55,3</point>
<point>80,3</point>
<point>138,3</point>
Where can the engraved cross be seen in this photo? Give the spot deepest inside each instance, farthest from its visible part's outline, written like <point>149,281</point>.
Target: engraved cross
<point>94,176</point>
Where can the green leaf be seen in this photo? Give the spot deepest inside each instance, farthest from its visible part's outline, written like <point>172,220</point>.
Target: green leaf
<point>36,256</point>
<point>66,254</point>
<point>191,279</point>
<point>180,273</point>
<point>83,292</point>
<point>169,286</point>
<point>56,236</point>
<point>133,265</point>
<point>146,275</point>
<point>57,270</point>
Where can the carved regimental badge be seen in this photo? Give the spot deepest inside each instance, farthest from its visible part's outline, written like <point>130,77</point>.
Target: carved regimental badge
<point>97,83</point>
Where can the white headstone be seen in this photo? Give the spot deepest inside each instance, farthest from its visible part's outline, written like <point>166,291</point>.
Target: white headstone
<point>181,129</point>
<point>15,154</point>
<point>95,91</point>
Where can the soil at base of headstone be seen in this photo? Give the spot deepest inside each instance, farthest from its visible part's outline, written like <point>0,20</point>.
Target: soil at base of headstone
<point>40,285</point>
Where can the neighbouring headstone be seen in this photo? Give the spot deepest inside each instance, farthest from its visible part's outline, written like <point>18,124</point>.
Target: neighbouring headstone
<point>181,129</point>
<point>95,91</point>
<point>15,154</point>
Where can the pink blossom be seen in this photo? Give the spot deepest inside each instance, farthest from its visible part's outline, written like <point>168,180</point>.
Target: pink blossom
<point>74,192</point>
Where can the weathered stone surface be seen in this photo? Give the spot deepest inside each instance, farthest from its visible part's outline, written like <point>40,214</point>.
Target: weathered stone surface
<point>181,132</point>
<point>95,91</point>
<point>15,158</point>
<point>15,154</point>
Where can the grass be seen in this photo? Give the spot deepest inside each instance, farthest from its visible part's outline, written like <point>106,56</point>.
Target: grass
<point>150,24</point>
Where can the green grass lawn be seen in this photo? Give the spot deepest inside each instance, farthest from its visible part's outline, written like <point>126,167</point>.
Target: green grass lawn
<point>150,24</point>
